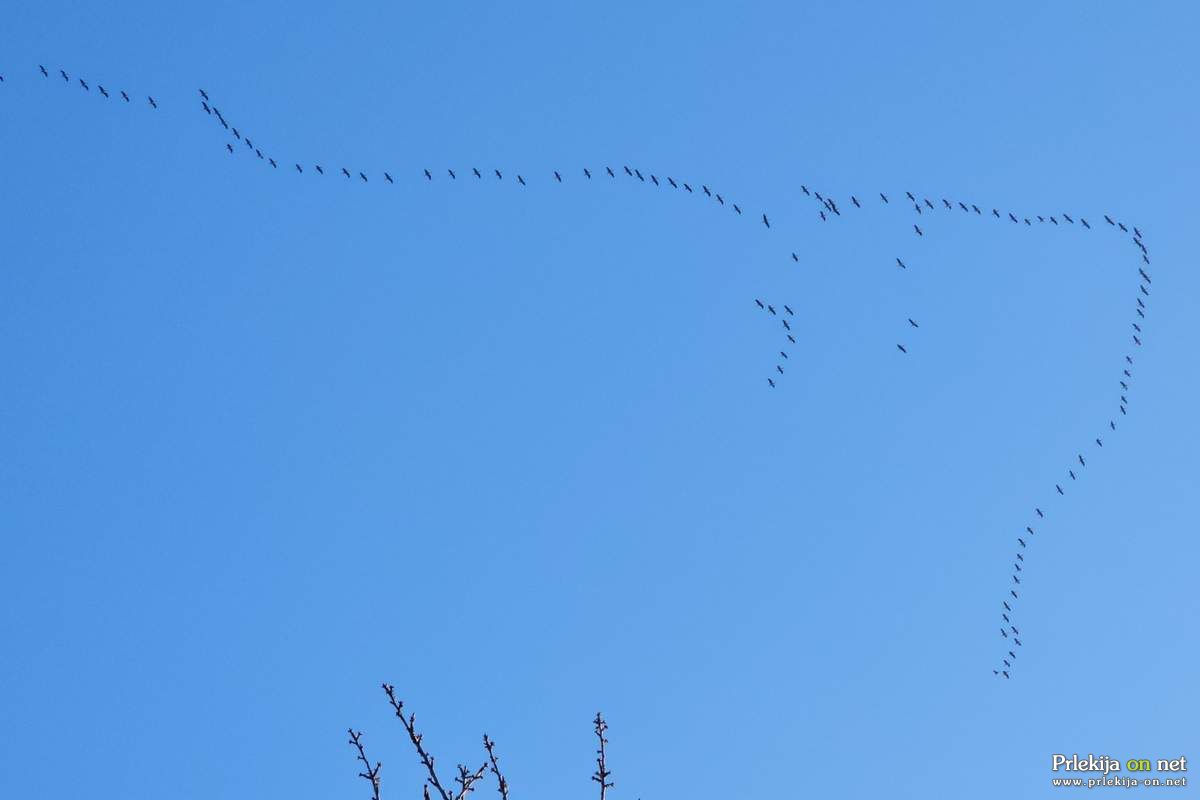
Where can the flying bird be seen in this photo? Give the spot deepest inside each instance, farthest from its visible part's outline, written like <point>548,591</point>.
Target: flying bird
<point>44,73</point>
<point>452,175</point>
<point>587,173</point>
<point>627,172</point>
<point>1099,443</point>
<point>689,188</point>
<point>902,350</point>
<point>706,191</point>
<point>476,171</point>
<point>299,169</point>
<point>65,76</point>
<point>804,189</point>
<point>735,208</point>
<point>1137,341</point>
<point>1028,528</point>
<point>771,382</point>
<point>557,177</point>
<point>854,200</point>
<point>791,338</point>
<point>771,309</point>
<point>720,199</point>
<point>765,222</point>
<point>1108,219</point>
<point>671,181</point>
<point>900,263</point>
<point>1121,225</point>
<point>795,257</point>
<point>655,180</point>
<point>1071,473</point>
<point>388,178</point>
<point>321,171</point>
<point>1010,216</point>
<point>83,83</point>
<point>498,175</point>
<point>785,324</point>
<point>1082,463</point>
<point>610,172</point>
<point>272,162</point>
<point>788,309</point>
<point>346,172</point>
<point>779,368</point>
<point>918,230</point>
<point>364,177</point>
<point>1084,222</point>
<point>102,90</point>
<point>760,303</point>
<point>428,177</point>
<point>520,180</point>
<point>785,355</point>
<point>152,103</point>
<point>884,196</point>
<point>229,147</point>
<point>1059,488</point>
<point>1039,512</point>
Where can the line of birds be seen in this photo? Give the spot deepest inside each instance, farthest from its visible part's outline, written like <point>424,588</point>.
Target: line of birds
<point>828,208</point>
<point>87,86</point>
<point>770,309</point>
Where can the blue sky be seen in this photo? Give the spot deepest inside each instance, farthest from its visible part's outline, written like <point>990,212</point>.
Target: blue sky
<point>270,439</point>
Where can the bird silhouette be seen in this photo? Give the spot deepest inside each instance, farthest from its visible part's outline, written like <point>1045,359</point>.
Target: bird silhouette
<point>103,91</point>
<point>1084,222</point>
<point>299,169</point>
<point>918,230</point>
<point>671,181</point>
<point>587,173</point>
<point>229,147</point>
<point>428,176</point>
<point>854,200</point>
<point>388,178</point>
<point>655,180</point>
<point>779,368</point>
<point>902,349</point>
<point>346,172</point>
<point>452,175</point>
<point>788,309</point>
<point>1071,473</point>
<point>1082,463</point>
<point>804,188</point>
<point>1059,488</point>
<point>791,338</point>
<point>900,263</point>
<point>64,75</point>
<point>883,196</point>
<point>785,324</point>
<point>557,177</point>
<point>910,322</point>
<point>364,177</point>
<point>795,257</point>
<point>720,199</point>
<point>152,103</point>
<point>1039,512</point>
<point>610,172</point>
<point>83,83</point>
<point>1099,443</point>
<point>771,382</point>
<point>322,172</point>
<point>44,73</point>
<point>785,355</point>
<point>735,208</point>
<point>272,162</point>
<point>498,175</point>
<point>520,180</point>
<point>771,309</point>
<point>706,191</point>
<point>477,172</point>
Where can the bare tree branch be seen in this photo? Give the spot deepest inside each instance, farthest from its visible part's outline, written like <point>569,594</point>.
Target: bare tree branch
<point>501,783</point>
<point>372,773</point>
<point>409,724</point>
<point>466,780</point>
<point>602,773</point>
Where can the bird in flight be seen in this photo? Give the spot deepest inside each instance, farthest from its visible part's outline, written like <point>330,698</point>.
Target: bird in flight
<point>388,178</point>
<point>911,322</point>
<point>760,303</point>
<point>272,162</point>
<point>557,177</point>
<point>229,147</point>
<point>765,222</point>
<point>520,180</point>
<point>785,355</point>
<point>771,382</point>
<point>706,191</point>
<point>299,169</point>
<point>785,324</point>
<point>900,263</point>
<point>318,169</point>
<point>1082,463</point>
<point>918,230</point>
<point>735,208</point>
<point>346,172</point>
<point>1084,222</point>
<point>902,350</point>
<point>587,173</point>
<point>771,308</point>
<point>1059,488</point>
<point>1039,512</point>
<point>1099,443</point>
<point>428,177</point>
<point>152,103</point>
<point>610,172</point>
<point>884,196</point>
<point>795,257</point>
<point>83,83</point>
<point>779,368</point>
<point>64,75</point>
<point>364,177</point>
<point>452,175</point>
<point>854,200</point>
<point>788,309</point>
<point>671,181</point>
<point>720,199</point>
<point>44,73</point>
<point>103,91</point>
<point>791,338</point>
<point>1071,473</point>
<point>655,180</point>
<point>498,175</point>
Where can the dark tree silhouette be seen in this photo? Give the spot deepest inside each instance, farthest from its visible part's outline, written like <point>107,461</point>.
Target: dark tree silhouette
<point>467,778</point>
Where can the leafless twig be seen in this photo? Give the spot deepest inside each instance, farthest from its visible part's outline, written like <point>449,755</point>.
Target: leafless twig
<point>501,783</point>
<point>409,724</point>
<point>602,773</point>
<point>372,773</point>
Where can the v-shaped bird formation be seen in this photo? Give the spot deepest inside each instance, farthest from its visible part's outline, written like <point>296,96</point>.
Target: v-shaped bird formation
<point>827,208</point>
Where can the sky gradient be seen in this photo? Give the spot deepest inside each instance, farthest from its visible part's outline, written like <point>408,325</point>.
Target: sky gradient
<point>270,439</point>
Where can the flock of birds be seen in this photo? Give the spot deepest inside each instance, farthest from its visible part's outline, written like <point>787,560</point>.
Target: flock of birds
<point>827,208</point>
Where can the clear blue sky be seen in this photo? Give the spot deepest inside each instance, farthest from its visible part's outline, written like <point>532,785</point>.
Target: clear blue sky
<point>269,439</point>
